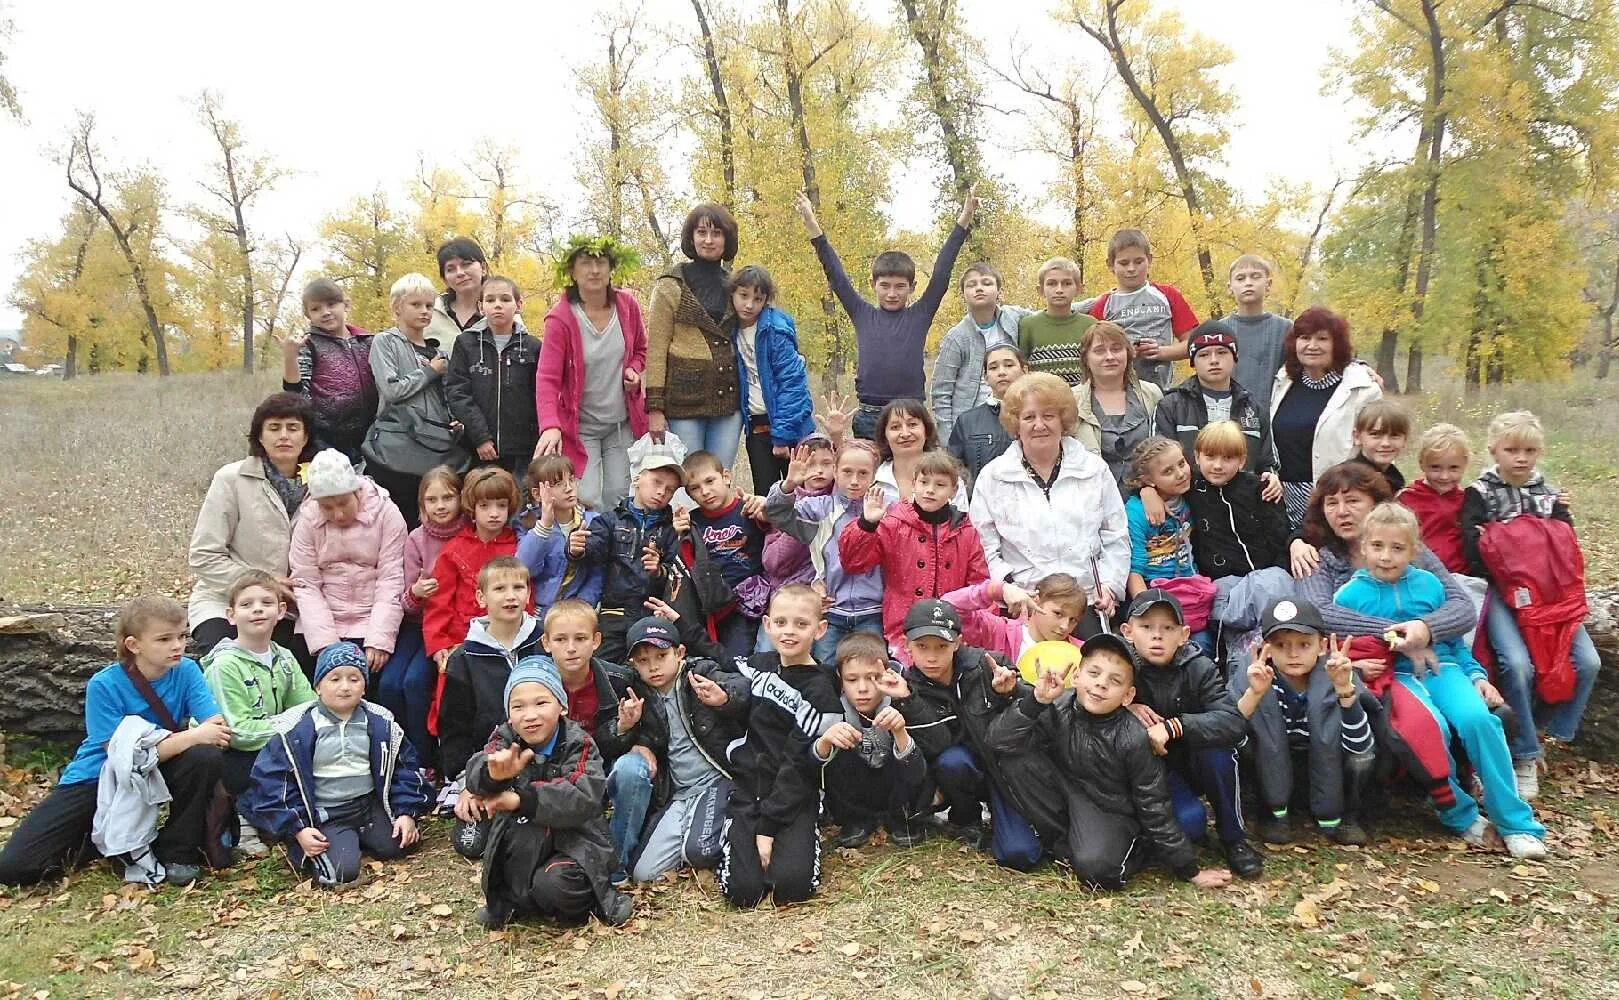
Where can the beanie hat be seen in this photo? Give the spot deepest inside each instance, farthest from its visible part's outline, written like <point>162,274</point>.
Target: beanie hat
<point>1213,333</point>
<point>331,474</point>
<point>341,654</point>
<point>537,670</point>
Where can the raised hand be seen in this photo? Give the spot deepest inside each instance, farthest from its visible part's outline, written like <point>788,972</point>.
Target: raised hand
<point>680,519</point>
<point>893,684</point>
<point>1340,669</point>
<point>1048,684</point>
<point>651,560</point>
<point>506,764</point>
<point>1015,598</point>
<point>1003,680</point>
<point>629,711</point>
<point>969,208</point>
<point>806,212</point>
<point>875,504</point>
<point>838,412</point>
<point>661,608</point>
<point>1261,675</point>
<point>576,542</point>
<point>707,691</point>
<point>798,467</point>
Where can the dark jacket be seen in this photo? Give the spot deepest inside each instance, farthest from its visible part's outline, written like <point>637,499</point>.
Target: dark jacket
<point>977,439</point>
<point>1191,691</point>
<point>1490,498</point>
<point>1182,413</point>
<point>492,392</point>
<point>713,728</point>
<point>335,373</point>
<point>610,681</point>
<point>1234,531</point>
<point>559,811</point>
<point>777,776</point>
<point>617,538</point>
<point>474,698</point>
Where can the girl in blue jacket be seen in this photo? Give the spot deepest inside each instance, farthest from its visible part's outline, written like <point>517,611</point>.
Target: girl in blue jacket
<point>775,388</point>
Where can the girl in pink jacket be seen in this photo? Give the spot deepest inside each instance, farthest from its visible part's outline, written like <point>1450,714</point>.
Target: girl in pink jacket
<point>1050,614</point>
<point>348,560</point>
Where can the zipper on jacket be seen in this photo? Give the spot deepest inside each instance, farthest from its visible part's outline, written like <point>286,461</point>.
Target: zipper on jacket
<point>1231,518</point>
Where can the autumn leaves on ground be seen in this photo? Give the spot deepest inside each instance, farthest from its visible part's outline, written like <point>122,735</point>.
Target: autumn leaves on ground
<point>100,490</point>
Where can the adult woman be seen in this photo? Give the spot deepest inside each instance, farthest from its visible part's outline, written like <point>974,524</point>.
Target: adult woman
<point>904,430</point>
<point>1115,406</point>
<point>463,267</point>
<point>588,387</point>
<point>1047,505</point>
<point>1313,405</point>
<point>246,518</point>
<point>692,383</point>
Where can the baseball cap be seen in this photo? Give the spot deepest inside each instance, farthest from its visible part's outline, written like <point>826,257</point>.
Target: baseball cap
<point>1108,641</point>
<point>1151,598</point>
<point>933,617</point>
<point>653,630</point>
<point>1213,333</point>
<point>659,456</point>
<point>1293,616</point>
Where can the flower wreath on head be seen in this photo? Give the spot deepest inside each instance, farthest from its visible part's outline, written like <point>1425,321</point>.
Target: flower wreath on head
<point>624,259</point>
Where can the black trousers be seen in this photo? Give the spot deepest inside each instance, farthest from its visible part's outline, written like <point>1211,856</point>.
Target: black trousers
<point>402,489</point>
<point>1106,848</point>
<point>614,627</point>
<point>208,633</point>
<point>795,857</point>
<point>55,838</point>
<point>352,830</point>
<point>858,793</point>
<point>767,468</point>
<point>560,891</point>
<point>236,770</point>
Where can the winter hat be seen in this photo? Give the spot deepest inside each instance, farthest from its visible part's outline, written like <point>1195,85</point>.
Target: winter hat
<point>1213,333</point>
<point>331,474</point>
<point>537,670</point>
<point>341,654</point>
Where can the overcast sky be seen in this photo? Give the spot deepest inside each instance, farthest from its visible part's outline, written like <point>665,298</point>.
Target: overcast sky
<point>349,95</point>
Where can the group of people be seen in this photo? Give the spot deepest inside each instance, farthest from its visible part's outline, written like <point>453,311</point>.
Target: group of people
<point>1054,611</point>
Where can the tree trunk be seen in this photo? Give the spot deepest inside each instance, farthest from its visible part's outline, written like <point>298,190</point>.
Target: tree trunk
<point>722,107</point>
<point>1436,117</point>
<point>1413,370</point>
<point>1403,249</point>
<point>928,38</point>
<point>71,369</point>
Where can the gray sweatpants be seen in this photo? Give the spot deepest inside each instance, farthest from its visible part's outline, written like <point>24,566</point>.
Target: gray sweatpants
<point>688,832</point>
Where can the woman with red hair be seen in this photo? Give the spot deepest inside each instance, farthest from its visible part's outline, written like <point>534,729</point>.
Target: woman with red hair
<point>1315,399</point>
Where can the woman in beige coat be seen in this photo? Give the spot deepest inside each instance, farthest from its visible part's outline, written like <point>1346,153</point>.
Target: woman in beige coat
<point>1115,407</point>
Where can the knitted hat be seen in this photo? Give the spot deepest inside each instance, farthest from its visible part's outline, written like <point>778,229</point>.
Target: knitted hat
<point>331,474</point>
<point>1213,333</point>
<point>537,670</point>
<point>341,654</point>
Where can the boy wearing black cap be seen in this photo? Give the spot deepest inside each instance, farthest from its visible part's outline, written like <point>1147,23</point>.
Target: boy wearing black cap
<point>1119,808</point>
<point>634,542</point>
<point>1192,723</point>
<point>1210,394</point>
<point>951,697</point>
<point>1307,717</point>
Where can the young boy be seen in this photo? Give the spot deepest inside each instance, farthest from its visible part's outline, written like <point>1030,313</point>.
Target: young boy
<point>338,778</point>
<point>475,676</point>
<point>978,436</point>
<point>734,541</point>
<point>889,335</point>
<point>1307,717</point>
<point>253,680</point>
<point>549,853</point>
<point>554,545</point>
<point>55,838</point>
<point>875,772</point>
<point>331,364</point>
<point>1511,488</point>
<point>771,845</point>
<point>949,697</point>
<point>958,371</point>
<point>1156,316</point>
<point>1050,339</point>
<point>490,385</point>
<point>685,712</point>
<point>1381,428</point>
<point>632,543</point>
<point>1212,395</point>
<point>1259,333</point>
<point>1443,455</point>
<point>1235,530</point>
<point>1192,723</point>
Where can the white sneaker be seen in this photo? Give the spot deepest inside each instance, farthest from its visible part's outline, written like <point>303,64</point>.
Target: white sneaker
<point>250,845</point>
<point>144,869</point>
<point>1526,846</point>
<point>1482,835</point>
<point>1528,775</point>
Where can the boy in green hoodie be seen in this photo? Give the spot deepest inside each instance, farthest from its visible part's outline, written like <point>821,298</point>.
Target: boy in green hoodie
<point>253,680</point>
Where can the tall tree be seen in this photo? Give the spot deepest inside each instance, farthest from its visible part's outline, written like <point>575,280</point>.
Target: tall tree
<point>49,293</point>
<point>721,109</point>
<point>369,246</point>
<point>948,92</point>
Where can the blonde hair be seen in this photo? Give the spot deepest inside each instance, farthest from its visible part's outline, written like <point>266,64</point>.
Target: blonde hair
<point>1112,331</point>
<point>1222,439</point>
<point>139,615</point>
<point>1039,387</point>
<point>570,607</point>
<point>1064,589</point>
<point>1517,425</point>
<point>1390,514</point>
<point>410,284</point>
<point>1146,453</point>
<point>1442,439</point>
<point>1250,260</point>
<point>1056,264</point>
<point>439,474</point>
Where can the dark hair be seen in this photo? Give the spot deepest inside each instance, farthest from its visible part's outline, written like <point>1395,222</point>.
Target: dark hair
<point>1315,320</point>
<point>548,469</point>
<point>752,276</point>
<point>893,264</point>
<point>517,293</point>
<point>1022,359</point>
<point>716,215</point>
<point>460,248</point>
<point>983,267</point>
<point>937,462</point>
<point>1123,240</point>
<point>1345,477</point>
<point>322,291</point>
<point>908,408</point>
<point>283,406</point>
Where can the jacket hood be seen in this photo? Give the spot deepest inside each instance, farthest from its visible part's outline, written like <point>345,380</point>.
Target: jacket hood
<point>1077,463</point>
<point>481,326</point>
<point>230,649</point>
<point>479,632</point>
<point>1492,475</point>
<point>1191,388</point>
<point>774,321</point>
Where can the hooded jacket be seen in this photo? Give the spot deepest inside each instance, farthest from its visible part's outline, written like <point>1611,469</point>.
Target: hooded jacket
<point>546,556</point>
<point>777,777</point>
<point>242,525</point>
<point>1183,412</point>
<point>559,384</point>
<point>610,683</point>
<point>1489,498</point>
<point>958,371</point>
<point>1439,520</point>
<point>335,373</point>
<point>617,539</point>
<point>492,392</point>
<point>347,581</point>
<point>412,432</point>
<point>819,522</point>
<point>251,694</point>
<point>917,559</point>
<point>978,438</point>
<point>474,700</point>
<point>1190,694</point>
<point>782,379</point>
<point>713,729</point>
<point>1234,530</point>
<point>453,606</point>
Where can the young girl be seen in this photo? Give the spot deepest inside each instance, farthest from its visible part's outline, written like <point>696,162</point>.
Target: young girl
<point>1049,614</point>
<point>1162,551</point>
<point>488,498</point>
<point>776,404</point>
<point>786,559</point>
<point>905,431</point>
<point>347,560</point>
<point>1457,691</point>
<point>490,385</point>
<point>405,686</point>
<point>1381,428</point>
<point>1436,498</point>
<point>55,838</point>
<point>338,777</point>
<point>855,600</point>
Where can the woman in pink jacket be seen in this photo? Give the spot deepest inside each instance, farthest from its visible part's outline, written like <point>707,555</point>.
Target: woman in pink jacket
<point>348,561</point>
<point>588,388</point>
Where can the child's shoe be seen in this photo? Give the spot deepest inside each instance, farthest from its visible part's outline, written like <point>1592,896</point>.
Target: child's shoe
<point>1525,846</point>
<point>618,909</point>
<point>1274,829</point>
<point>1243,860</point>
<point>144,869</point>
<point>856,834</point>
<point>904,832</point>
<point>494,915</point>
<point>1346,833</point>
<point>249,843</point>
<point>1528,775</point>
<point>1483,835</point>
<point>187,874</point>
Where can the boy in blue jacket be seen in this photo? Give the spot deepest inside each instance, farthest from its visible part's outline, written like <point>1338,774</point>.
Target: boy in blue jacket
<point>775,387</point>
<point>554,545</point>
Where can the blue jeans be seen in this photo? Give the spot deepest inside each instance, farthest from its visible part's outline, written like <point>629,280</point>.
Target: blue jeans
<point>1212,772</point>
<point>405,688</point>
<point>629,789</point>
<point>720,436</point>
<point>1013,842</point>
<point>1516,675</point>
<point>864,424</point>
<point>839,625</point>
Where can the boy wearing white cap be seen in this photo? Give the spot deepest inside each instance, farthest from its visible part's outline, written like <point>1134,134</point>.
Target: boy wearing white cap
<point>633,542</point>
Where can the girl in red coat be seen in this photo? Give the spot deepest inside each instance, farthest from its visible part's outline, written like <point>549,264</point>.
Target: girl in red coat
<point>488,500</point>
<point>924,545</point>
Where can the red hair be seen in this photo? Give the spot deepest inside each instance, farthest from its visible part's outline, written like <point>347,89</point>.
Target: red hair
<point>1318,319</point>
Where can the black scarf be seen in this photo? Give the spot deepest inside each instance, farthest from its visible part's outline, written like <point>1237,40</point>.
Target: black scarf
<point>706,279</point>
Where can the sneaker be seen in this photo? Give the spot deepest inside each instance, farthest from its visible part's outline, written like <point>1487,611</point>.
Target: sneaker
<point>1274,829</point>
<point>187,874</point>
<point>250,844</point>
<point>618,909</point>
<point>856,834</point>
<point>1483,835</point>
<point>1347,833</point>
<point>1525,846</point>
<point>903,833</point>
<point>1528,775</point>
<point>619,879</point>
<point>1245,862</point>
<point>494,915</point>
<point>144,869</point>
<point>974,835</point>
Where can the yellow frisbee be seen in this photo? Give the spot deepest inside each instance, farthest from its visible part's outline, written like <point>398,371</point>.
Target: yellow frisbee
<point>1057,656</point>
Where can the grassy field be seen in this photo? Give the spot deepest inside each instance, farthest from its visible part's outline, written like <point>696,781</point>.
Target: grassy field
<point>102,481</point>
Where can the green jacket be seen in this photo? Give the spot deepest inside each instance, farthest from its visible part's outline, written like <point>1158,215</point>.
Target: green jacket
<point>250,694</point>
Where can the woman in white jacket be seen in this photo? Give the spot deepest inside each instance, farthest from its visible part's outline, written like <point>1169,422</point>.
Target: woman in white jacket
<point>1047,505</point>
<point>1314,402</point>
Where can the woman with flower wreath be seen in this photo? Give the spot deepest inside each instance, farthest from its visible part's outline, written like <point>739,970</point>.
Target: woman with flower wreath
<point>589,385</point>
